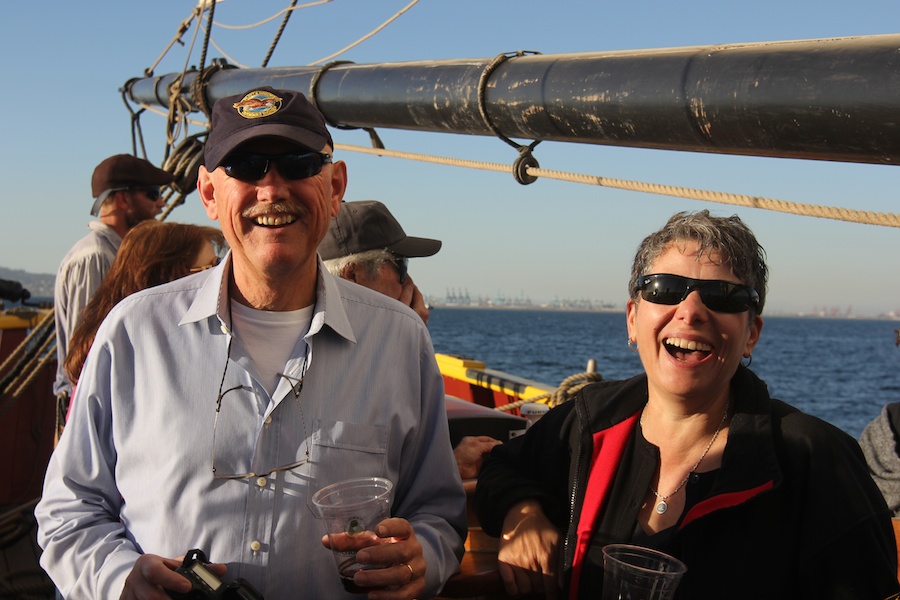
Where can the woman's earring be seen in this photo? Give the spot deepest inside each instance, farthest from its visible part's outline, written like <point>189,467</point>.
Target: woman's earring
<point>749,361</point>
<point>632,345</point>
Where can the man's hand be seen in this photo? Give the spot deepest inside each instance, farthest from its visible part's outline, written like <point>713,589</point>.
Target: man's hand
<point>398,563</point>
<point>413,298</point>
<point>469,453</point>
<point>527,558</point>
<point>152,575</point>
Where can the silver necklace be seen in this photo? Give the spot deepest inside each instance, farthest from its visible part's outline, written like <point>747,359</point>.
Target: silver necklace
<point>662,506</point>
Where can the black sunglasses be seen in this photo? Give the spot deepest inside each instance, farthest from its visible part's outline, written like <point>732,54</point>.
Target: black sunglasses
<point>153,193</point>
<point>293,165</point>
<point>717,295</point>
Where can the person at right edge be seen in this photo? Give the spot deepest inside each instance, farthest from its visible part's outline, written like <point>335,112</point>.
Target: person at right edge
<point>692,457</point>
<point>880,443</point>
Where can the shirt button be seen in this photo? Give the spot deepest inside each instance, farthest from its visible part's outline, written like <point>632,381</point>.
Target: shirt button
<point>262,482</point>
<point>255,545</point>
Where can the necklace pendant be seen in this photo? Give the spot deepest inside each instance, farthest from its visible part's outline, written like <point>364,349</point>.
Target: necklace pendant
<point>662,507</point>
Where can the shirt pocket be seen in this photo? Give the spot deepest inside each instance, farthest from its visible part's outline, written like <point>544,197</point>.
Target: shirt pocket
<point>344,450</point>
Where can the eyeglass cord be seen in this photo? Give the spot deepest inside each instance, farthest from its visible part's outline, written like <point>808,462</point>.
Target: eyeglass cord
<point>296,390</point>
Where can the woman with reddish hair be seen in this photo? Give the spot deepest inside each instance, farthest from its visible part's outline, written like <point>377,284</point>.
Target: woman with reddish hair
<point>153,252</point>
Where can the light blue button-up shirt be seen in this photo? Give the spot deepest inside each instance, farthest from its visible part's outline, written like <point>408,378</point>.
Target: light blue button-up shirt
<point>133,472</point>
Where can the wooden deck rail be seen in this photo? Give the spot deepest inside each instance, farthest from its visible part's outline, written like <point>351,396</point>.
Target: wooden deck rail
<point>478,578</point>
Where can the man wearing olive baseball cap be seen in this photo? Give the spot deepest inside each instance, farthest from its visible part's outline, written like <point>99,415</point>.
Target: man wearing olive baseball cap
<point>126,191</point>
<point>365,244</point>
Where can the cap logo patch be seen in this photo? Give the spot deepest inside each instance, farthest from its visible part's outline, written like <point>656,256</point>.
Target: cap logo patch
<point>258,104</point>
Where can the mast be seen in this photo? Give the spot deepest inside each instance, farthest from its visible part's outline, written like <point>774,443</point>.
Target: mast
<point>825,99</point>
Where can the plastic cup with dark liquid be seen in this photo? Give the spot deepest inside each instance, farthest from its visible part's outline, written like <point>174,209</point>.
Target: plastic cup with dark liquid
<point>350,510</point>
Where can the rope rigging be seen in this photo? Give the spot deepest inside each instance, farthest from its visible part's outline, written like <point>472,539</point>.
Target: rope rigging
<point>864,217</point>
<point>26,361</point>
<point>287,15</point>
<point>809,210</point>
<point>567,389</point>
<point>526,159</point>
<point>186,156</point>
<point>183,160</point>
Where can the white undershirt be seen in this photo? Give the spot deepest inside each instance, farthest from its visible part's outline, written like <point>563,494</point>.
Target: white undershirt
<point>269,337</point>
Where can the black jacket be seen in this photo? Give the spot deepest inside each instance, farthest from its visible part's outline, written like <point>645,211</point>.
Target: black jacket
<point>792,512</point>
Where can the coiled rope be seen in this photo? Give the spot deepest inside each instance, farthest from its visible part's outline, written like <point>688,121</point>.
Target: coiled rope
<point>567,389</point>
<point>796,208</point>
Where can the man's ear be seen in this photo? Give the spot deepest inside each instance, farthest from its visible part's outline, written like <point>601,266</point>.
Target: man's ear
<point>350,273</point>
<point>338,185</point>
<point>120,200</point>
<point>207,192</point>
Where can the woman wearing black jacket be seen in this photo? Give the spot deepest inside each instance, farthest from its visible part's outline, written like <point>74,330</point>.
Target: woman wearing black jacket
<point>693,457</point>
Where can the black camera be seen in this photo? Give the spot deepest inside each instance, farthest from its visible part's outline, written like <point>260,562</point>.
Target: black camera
<point>206,585</point>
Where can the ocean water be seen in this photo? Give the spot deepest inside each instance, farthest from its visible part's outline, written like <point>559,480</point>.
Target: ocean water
<point>840,370</point>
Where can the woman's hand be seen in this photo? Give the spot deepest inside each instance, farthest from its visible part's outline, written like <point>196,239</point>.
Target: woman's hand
<point>527,559</point>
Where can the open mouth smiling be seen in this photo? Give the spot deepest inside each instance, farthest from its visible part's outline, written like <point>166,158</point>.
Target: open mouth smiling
<point>277,214</point>
<point>274,220</point>
<point>687,350</point>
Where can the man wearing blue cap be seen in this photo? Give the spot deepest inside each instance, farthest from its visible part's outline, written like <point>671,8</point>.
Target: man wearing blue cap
<point>211,409</point>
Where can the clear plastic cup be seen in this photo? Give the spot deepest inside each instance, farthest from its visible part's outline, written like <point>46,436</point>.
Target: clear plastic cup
<point>350,510</point>
<point>636,573</point>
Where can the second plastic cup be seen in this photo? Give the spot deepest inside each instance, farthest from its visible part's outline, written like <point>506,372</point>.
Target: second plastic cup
<point>636,573</point>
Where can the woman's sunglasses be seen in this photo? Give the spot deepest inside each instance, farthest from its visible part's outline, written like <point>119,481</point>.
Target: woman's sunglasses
<point>717,295</point>
<point>293,165</point>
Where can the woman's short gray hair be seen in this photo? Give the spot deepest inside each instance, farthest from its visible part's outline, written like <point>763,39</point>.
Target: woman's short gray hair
<point>727,237</point>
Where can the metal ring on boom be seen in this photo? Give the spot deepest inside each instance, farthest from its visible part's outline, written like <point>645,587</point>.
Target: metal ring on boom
<point>201,82</point>
<point>314,99</point>
<point>526,158</point>
<point>137,134</point>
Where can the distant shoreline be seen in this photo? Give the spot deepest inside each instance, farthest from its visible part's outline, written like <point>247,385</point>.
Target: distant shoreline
<point>442,306</point>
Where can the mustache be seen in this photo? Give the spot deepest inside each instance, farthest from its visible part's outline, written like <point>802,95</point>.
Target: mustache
<point>272,209</point>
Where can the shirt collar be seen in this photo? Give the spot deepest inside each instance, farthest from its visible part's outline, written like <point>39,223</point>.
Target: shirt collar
<point>105,231</point>
<point>212,300</point>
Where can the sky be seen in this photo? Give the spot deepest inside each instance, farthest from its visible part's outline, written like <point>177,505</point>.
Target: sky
<point>545,241</point>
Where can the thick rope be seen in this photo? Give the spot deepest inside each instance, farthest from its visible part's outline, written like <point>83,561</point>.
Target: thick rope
<point>809,210</point>
<point>284,22</point>
<point>567,389</point>
<point>207,34</point>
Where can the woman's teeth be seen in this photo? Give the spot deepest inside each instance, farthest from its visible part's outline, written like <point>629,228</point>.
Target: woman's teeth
<point>688,344</point>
